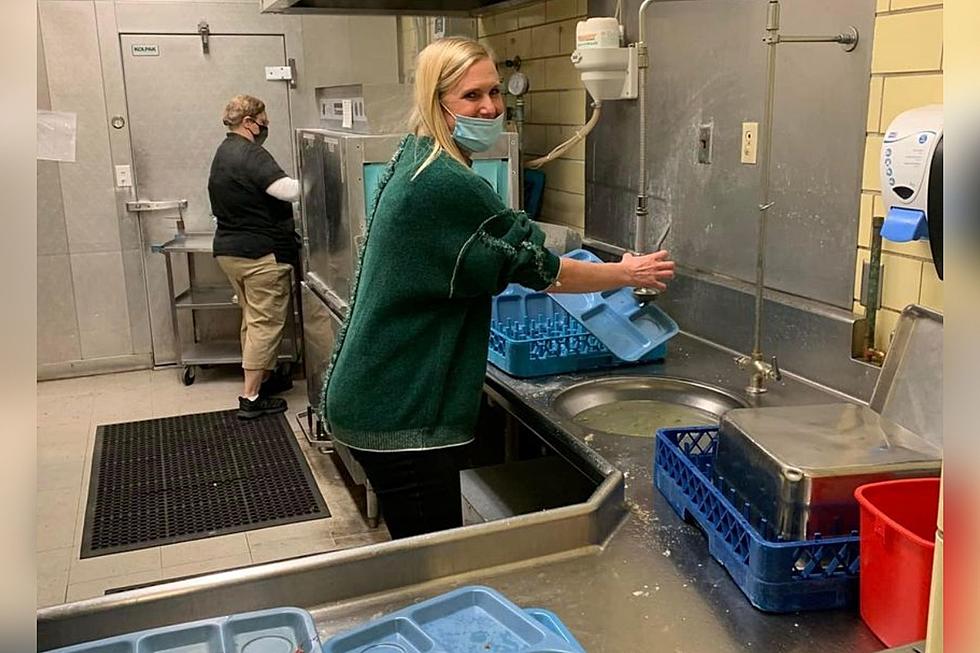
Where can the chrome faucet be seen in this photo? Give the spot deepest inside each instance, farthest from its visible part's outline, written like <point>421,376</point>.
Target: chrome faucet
<point>761,372</point>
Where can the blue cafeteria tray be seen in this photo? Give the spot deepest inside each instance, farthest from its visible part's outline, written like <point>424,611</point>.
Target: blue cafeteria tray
<point>532,335</point>
<point>550,620</point>
<point>628,328</point>
<point>467,620</point>
<point>281,630</point>
<point>776,575</point>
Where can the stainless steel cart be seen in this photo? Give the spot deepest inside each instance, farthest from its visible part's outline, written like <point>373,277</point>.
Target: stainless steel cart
<point>205,297</point>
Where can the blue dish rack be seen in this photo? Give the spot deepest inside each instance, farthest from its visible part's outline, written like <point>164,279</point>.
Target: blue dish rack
<point>280,630</point>
<point>776,575</point>
<point>532,335</point>
<point>471,619</point>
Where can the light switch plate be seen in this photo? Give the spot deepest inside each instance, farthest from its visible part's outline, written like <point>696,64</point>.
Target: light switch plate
<point>750,138</point>
<point>124,176</point>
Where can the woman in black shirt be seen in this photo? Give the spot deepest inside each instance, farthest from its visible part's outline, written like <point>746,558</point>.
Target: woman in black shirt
<point>255,245</point>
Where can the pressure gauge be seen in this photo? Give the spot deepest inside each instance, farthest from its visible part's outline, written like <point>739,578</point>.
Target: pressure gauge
<point>517,84</point>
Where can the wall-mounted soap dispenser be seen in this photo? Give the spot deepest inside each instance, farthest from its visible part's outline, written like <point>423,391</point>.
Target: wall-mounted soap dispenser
<point>912,179</point>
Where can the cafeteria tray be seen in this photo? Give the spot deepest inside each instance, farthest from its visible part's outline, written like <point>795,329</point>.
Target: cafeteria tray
<point>471,619</point>
<point>630,329</point>
<point>280,630</point>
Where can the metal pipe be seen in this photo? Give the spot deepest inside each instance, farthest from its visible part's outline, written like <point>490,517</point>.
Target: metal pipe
<point>874,285</point>
<point>640,222</point>
<point>639,235</point>
<point>519,123</point>
<point>837,38</point>
<point>772,38</point>
<point>642,212</point>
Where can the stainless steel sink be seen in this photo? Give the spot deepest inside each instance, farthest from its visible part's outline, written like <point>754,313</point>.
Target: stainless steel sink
<point>710,401</point>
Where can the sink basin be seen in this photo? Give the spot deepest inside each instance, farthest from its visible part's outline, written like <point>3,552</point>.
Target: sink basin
<point>640,405</point>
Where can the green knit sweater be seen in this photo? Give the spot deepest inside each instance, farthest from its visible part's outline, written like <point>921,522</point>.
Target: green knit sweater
<point>409,362</point>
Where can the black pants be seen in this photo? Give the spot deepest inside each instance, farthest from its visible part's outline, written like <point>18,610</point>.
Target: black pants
<point>418,490</point>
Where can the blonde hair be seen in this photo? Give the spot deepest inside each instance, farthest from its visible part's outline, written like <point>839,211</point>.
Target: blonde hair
<point>439,67</point>
<point>241,107</point>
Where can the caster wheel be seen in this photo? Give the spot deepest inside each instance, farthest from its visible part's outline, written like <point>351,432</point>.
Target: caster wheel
<point>188,377</point>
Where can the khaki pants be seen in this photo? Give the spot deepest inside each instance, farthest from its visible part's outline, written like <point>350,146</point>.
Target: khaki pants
<point>262,286</point>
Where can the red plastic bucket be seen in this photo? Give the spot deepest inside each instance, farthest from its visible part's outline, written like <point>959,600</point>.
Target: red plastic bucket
<point>898,529</point>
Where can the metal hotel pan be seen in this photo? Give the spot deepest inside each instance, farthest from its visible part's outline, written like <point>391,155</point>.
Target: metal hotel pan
<point>800,465</point>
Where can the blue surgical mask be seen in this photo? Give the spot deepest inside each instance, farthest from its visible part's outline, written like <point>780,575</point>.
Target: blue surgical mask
<point>477,134</point>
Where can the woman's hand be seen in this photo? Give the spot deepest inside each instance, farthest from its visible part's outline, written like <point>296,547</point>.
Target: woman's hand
<point>649,270</point>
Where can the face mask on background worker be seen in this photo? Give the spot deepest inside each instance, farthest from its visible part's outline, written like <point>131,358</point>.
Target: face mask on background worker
<point>477,134</point>
<point>263,133</point>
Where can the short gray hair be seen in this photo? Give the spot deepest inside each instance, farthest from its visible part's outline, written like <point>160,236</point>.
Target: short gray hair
<point>241,107</point>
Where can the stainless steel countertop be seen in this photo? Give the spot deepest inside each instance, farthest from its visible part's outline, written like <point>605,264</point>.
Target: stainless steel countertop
<point>653,586</point>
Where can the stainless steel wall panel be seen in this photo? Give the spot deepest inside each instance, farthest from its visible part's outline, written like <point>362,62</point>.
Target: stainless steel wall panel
<point>333,204</point>
<point>52,236</point>
<point>100,297</point>
<point>364,49</point>
<point>380,148</point>
<point>818,151</point>
<point>810,339</point>
<point>609,216</point>
<point>139,310</point>
<point>707,65</point>
<point>326,213</point>
<point>320,327</point>
<point>120,145</point>
<point>183,17</point>
<point>74,74</point>
<point>57,329</point>
<point>320,70</point>
<point>121,150</point>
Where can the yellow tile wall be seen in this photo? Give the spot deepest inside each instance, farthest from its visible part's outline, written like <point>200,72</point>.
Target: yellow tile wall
<point>906,72</point>
<point>543,36</point>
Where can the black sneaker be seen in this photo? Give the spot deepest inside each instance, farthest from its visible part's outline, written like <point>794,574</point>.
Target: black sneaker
<point>276,383</point>
<point>261,406</point>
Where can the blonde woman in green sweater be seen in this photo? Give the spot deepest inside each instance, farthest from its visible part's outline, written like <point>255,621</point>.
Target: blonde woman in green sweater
<point>403,387</point>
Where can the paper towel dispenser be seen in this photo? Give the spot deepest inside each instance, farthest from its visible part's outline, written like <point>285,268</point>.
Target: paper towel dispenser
<point>912,179</point>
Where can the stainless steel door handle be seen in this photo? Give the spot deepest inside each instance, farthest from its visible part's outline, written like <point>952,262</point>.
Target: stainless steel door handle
<point>139,206</point>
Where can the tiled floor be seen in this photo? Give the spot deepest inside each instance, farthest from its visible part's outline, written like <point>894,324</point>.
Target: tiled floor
<point>68,413</point>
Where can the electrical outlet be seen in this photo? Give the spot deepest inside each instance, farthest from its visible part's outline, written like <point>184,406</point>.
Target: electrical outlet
<point>750,137</point>
<point>124,177</point>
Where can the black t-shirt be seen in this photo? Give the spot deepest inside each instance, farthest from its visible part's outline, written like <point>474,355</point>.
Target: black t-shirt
<point>251,223</point>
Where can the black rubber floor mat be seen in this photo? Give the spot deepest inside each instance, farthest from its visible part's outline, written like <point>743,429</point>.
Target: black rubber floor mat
<point>175,479</point>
